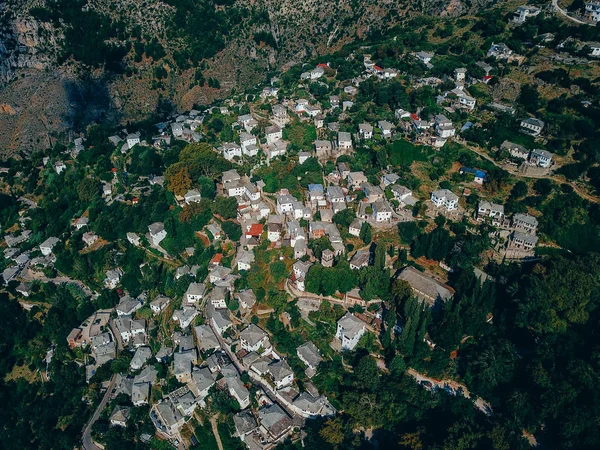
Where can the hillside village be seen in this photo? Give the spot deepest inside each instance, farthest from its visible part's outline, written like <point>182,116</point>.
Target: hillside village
<point>234,250</point>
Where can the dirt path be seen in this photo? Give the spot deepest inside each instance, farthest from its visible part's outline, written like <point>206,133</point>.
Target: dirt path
<point>565,14</point>
<point>553,177</point>
<point>215,430</point>
<point>452,387</point>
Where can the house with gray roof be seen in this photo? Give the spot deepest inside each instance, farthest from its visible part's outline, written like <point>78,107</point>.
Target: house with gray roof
<point>182,365</point>
<point>349,331</point>
<point>309,406</point>
<point>525,223</point>
<point>206,338</point>
<point>120,416</point>
<point>282,373</point>
<point>244,423</point>
<point>142,354</point>
<point>253,338</point>
<point>425,288</point>
<point>275,421</point>
<point>202,381</point>
<point>309,355</point>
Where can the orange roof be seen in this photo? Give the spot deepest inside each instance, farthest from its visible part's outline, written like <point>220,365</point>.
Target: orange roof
<point>324,66</point>
<point>377,68</point>
<point>255,230</point>
<point>217,258</point>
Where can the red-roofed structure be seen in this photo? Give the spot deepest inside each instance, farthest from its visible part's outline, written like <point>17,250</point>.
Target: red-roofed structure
<point>255,230</point>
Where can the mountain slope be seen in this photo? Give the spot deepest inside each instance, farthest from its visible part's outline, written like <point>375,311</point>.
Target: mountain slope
<point>137,53</point>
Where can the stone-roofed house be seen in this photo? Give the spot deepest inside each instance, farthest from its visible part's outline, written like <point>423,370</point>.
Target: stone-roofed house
<point>254,338</point>
<point>490,210</point>
<point>185,316</point>
<point>244,423</point>
<point>140,394</point>
<point>47,246</point>
<point>309,355</point>
<point>515,150</point>
<point>127,306</point>
<point>445,198</point>
<point>360,259</point>
<point>141,356</point>
<point>120,416</point>
<point>246,298</point>
<point>202,381</point>
<point>425,288</point>
<point>356,179</point>
<point>522,241</point>
<point>157,232</point>
<point>349,331</point>
<point>195,292</point>
<point>365,130</point>
<point>541,158</point>
<point>167,418</point>
<point>159,304</point>
<point>386,128</point>
<point>282,373</point>
<point>218,297</point>
<point>274,421</point>
<point>344,140</point>
<point>525,223</point>
<point>308,405</point>
<point>206,338</point>
<point>236,387</point>
<point>220,320</point>
<point>532,126</point>
<point>182,365</point>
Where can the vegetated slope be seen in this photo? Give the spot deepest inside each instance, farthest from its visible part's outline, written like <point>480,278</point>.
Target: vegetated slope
<point>141,53</point>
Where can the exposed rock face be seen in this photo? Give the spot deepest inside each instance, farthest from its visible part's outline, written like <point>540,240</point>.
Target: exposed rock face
<point>25,43</point>
<point>34,77</point>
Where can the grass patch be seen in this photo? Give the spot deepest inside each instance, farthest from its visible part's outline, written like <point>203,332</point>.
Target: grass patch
<point>403,152</point>
<point>206,438</point>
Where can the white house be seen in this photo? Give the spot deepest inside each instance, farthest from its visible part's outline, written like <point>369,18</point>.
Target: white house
<point>532,126</point>
<point>365,130</point>
<point>157,232</point>
<point>444,127</point>
<point>594,48</point>
<point>542,158</point>
<point>254,338</point>
<point>192,196</point>
<point>47,246</point>
<point>382,212</point>
<point>195,292</point>
<point>113,277</point>
<point>159,304</point>
<point>446,198</point>
<point>523,12</point>
<point>59,167</point>
<point>344,140</point>
<point>247,140</point>
<point>386,128</point>
<point>231,150</point>
<point>132,140</point>
<point>349,331</point>
<point>273,134</point>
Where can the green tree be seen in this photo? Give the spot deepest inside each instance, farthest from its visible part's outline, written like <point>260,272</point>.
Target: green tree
<point>365,233</point>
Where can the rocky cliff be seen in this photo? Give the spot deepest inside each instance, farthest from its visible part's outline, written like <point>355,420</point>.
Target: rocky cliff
<point>139,52</point>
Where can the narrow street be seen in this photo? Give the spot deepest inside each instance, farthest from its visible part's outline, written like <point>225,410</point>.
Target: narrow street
<point>88,442</point>
<point>253,376</point>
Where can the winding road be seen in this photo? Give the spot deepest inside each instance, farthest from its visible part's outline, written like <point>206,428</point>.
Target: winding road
<point>566,14</point>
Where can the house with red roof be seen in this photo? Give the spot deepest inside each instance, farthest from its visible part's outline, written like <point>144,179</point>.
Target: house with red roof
<point>255,231</point>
